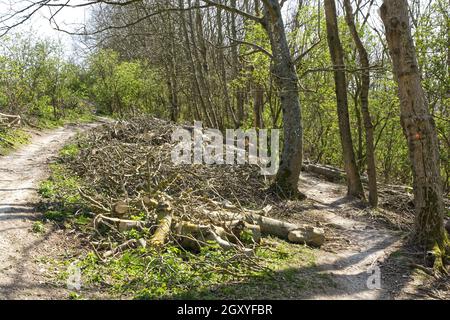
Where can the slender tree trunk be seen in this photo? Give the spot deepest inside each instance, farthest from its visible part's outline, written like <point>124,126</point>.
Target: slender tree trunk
<point>364,95</point>
<point>258,106</point>
<point>189,49</point>
<point>355,187</point>
<point>359,126</point>
<point>287,81</point>
<point>223,72</point>
<point>201,56</point>
<point>236,69</point>
<point>419,129</point>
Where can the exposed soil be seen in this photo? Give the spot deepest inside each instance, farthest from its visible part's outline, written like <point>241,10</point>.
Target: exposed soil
<point>357,247</point>
<point>21,276</point>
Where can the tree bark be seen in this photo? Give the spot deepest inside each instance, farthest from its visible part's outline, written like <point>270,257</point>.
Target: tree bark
<point>258,106</point>
<point>355,187</point>
<point>419,129</point>
<point>364,96</point>
<point>189,49</point>
<point>286,79</point>
<point>236,67</point>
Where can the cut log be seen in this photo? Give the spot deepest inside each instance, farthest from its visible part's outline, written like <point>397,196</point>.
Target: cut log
<point>224,244</point>
<point>9,120</point>
<point>120,209</point>
<point>330,173</point>
<point>311,236</point>
<point>272,226</point>
<point>194,237</point>
<point>281,229</point>
<point>111,253</point>
<point>237,227</point>
<point>164,224</point>
<point>120,224</point>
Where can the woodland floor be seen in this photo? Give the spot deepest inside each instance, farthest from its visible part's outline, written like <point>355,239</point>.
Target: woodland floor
<point>356,238</point>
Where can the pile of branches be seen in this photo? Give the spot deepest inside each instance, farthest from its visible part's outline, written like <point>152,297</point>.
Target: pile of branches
<point>400,201</point>
<point>8,121</point>
<point>133,184</point>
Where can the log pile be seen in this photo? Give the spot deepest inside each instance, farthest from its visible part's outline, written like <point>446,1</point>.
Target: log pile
<point>133,185</point>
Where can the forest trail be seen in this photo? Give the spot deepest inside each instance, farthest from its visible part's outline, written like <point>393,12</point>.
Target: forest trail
<point>20,174</point>
<point>367,245</point>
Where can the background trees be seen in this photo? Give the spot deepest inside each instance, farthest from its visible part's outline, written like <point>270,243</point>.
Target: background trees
<point>38,82</point>
<point>124,87</point>
<point>214,65</point>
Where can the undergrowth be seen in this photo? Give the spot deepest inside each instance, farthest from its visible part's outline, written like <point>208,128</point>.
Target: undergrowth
<point>277,269</point>
<point>11,139</point>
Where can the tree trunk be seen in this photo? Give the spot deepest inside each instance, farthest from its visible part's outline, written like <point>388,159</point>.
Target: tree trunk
<point>258,106</point>
<point>287,81</point>
<point>223,71</point>
<point>236,66</point>
<point>189,49</point>
<point>355,187</point>
<point>364,96</point>
<point>419,129</point>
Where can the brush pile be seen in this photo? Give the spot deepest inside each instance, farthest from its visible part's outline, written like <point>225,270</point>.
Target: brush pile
<point>131,183</point>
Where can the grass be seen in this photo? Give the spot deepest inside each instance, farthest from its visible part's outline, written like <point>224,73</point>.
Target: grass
<point>38,227</point>
<point>11,139</point>
<point>71,117</point>
<point>289,273</point>
<point>44,117</point>
<point>60,196</point>
<point>70,151</point>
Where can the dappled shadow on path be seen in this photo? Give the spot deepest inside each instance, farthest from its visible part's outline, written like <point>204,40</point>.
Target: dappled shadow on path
<point>319,281</point>
<point>15,211</point>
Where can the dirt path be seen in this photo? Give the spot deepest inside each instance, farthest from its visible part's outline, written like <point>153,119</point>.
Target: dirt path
<point>366,246</point>
<point>20,173</point>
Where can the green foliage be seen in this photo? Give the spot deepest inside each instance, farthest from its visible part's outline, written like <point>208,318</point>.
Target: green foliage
<point>120,88</point>
<point>37,82</point>
<point>38,227</point>
<point>69,151</point>
<point>61,196</point>
<point>175,273</point>
<point>12,138</point>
